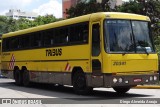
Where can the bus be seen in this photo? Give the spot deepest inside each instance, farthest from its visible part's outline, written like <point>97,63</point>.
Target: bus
<point>0,56</point>
<point>104,49</point>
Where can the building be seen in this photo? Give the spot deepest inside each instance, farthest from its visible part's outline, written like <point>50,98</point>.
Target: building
<point>68,3</point>
<point>17,14</point>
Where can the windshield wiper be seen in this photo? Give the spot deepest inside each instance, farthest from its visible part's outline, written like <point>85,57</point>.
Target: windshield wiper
<point>145,50</point>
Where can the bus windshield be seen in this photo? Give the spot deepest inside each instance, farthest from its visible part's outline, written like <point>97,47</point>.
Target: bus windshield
<point>128,36</point>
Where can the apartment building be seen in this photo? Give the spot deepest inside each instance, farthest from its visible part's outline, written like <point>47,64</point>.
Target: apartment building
<point>17,14</point>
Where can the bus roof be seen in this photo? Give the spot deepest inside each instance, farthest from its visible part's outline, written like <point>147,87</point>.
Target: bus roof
<point>84,18</point>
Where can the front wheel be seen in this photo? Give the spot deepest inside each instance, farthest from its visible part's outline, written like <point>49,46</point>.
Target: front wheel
<point>121,90</point>
<point>79,84</point>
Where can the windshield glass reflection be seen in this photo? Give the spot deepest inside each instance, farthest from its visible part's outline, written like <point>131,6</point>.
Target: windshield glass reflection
<point>128,36</point>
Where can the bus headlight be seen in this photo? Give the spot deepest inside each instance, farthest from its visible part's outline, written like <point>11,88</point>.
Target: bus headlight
<point>155,78</point>
<point>151,78</point>
<point>120,80</point>
<point>115,80</point>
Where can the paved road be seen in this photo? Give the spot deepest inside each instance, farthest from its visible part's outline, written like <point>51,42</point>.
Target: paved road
<point>65,95</point>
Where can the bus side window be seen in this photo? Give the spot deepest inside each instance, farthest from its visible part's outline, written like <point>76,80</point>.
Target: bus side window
<point>36,39</point>
<point>79,33</point>
<point>95,40</point>
<point>64,35</point>
<point>85,35</point>
<point>14,42</point>
<point>25,41</point>
<point>4,44</point>
<point>85,32</point>
<point>48,37</point>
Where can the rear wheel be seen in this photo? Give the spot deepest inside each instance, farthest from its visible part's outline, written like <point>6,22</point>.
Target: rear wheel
<point>18,77</point>
<point>121,90</point>
<point>26,78</point>
<point>79,84</point>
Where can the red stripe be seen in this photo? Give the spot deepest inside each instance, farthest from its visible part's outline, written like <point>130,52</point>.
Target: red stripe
<point>11,65</point>
<point>12,62</point>
<point>69,68</point>
<point>66,66</point>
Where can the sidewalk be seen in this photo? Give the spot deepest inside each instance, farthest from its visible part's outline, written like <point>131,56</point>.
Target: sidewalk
<point>148,87</point>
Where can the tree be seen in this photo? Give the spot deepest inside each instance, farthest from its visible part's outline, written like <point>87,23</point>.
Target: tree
<point>2,24</point>
<point>83,8</point>
<point>11,25</point>
<point>23,24</point>
<point>41,20</point>
<point>149,8</point>
<point>7,24</point>
<point>105,5</point>
<point>130,7</point>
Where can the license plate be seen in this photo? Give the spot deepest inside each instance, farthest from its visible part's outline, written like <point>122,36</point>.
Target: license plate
<point>137,80</point>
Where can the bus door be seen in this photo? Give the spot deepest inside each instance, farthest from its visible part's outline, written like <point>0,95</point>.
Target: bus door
<point>96,57</point>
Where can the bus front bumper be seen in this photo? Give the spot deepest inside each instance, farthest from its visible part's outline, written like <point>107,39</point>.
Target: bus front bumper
<point>123,80</point>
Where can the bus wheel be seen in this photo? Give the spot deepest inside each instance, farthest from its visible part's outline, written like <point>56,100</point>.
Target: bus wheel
<point>26,79</point>
<point>18,77</point>
<point>121,90</point>
<point>79,84</point>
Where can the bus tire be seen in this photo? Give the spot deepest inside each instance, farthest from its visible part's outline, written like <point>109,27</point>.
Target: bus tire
<point>18,77</point>
<point>121,90</point>
<point>79,84</point>
<point>26,78</point>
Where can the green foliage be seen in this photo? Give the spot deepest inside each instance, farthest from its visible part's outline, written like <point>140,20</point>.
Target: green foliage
<point>149,8</point>
<point>7,24</point>
<point>41,20</point>
<point>130,7</point>
<point>23,24</point>
<point>11,25</point>
<point>83,8</point>
<point>3,22</point>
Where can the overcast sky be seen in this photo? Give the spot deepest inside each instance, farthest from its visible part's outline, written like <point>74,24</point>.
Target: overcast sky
<point>42,7</point>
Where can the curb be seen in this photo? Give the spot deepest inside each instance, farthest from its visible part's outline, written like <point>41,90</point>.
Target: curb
<point>148,87</point>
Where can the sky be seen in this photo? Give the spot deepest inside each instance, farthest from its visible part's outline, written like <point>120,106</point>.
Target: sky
<point>42,7</point>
